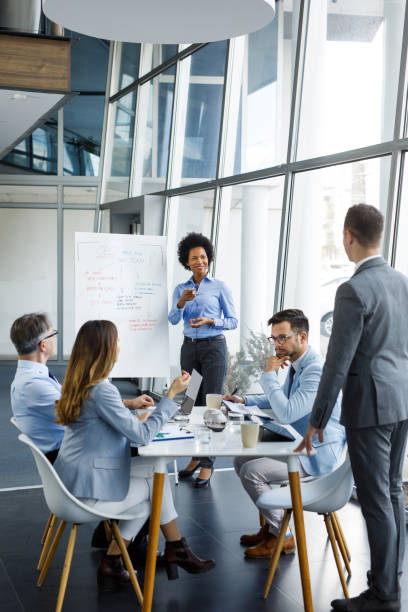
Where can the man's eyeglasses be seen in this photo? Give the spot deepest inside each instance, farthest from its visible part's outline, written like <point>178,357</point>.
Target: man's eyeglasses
<point>281,339</point>
<point>51,335</point>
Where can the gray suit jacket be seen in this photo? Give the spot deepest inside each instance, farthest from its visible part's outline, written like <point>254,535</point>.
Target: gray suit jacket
<point>368,350</point>
<point>94,458</point>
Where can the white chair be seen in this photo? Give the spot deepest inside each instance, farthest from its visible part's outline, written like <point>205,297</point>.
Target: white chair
<point>69,509</point>
<point>323,495</point>
<point>51,522</point>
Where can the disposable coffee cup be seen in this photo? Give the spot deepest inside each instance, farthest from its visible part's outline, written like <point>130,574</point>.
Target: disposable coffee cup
<point>213,400</point>
<point>249,434</point>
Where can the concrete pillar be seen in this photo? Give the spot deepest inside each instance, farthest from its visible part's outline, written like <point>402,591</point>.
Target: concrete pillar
<point>254,260</point>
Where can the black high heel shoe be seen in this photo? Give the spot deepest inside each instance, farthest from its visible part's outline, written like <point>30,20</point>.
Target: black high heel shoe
<point>184,474</point>
<point>199,483</point>
<point>179,554</point>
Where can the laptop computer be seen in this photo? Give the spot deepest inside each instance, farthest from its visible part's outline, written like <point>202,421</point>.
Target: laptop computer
<point>191,393</point>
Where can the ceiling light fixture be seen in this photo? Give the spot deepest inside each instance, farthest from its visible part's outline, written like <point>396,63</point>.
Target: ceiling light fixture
<point>18,96</point>
<point>161,21</point>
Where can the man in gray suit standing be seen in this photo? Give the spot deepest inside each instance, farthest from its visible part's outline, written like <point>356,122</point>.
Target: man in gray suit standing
<point>367,357</point>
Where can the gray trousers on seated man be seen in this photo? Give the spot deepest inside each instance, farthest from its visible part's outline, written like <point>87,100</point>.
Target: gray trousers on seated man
<point>256,475</point>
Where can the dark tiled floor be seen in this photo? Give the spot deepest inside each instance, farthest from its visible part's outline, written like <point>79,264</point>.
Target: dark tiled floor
<point>212,519</point>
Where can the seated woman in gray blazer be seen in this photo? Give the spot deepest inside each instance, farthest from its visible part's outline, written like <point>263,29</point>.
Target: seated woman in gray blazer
<point>94,461</point>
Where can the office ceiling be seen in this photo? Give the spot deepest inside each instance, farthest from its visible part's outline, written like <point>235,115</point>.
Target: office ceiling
<point>22,111</point>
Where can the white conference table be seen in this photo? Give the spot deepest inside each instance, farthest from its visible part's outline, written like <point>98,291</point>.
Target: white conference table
<point>222,444</point>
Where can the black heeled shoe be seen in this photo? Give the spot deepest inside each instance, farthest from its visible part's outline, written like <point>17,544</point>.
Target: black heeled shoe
<point>179,554</point>
<point>199,483</point>
<point>112,574</point>
<point>184,474</point>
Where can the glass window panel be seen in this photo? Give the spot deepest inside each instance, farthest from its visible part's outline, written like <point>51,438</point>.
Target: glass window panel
<point>317,263</point>
<point>83,119</point>
<point>89,62</point>
<point>154,134</point>
<point>188,213</point>
<point>74,221</point>
<point>80,195</point>
<point>119,155</point>
<point>203,115</point>
<point>210,60</point>
<point>128,72</point>
<point>258,121</point>
<point>33,194</point>
<point>351,75</point>
<point>158,54</point>
<point>247,253</point>
<point>37,153</point>
<point>28,278</point>
<point>401,254</point>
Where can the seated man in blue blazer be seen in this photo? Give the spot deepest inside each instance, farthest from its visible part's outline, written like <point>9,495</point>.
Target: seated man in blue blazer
<point>291,403</point>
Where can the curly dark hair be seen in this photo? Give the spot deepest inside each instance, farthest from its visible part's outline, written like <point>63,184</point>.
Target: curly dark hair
<point>191,241</point>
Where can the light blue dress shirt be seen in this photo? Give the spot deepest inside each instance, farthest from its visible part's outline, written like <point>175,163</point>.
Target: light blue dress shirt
<point>213,300</point>
<point>295,407</point>
<point>33,396</point>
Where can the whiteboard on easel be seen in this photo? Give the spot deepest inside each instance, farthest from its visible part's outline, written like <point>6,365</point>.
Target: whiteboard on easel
<point>123,278</point>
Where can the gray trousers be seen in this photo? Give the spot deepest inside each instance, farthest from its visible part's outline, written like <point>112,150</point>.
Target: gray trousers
<point>210,358</point>
<point>377,455</point>
<point>257,474</point>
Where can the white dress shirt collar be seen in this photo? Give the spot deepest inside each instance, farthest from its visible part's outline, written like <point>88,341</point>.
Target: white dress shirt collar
<point>360,263</point>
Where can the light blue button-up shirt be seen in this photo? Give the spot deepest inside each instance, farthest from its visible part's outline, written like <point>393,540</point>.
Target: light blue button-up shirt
<point>33,395</point>
<point>213,300</point>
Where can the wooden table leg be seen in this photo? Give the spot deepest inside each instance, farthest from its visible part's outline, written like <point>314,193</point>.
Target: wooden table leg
<point>294,483</point>
<point>154,527</point>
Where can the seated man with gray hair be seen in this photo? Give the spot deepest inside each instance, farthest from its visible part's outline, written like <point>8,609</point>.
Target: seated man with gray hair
<point>34,390</point>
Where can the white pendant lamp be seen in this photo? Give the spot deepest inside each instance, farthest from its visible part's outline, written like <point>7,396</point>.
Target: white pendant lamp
<point>161,21</point>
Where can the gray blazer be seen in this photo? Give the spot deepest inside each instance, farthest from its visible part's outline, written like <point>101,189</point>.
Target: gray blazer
<point>94,458</point>
<point>368,350</point>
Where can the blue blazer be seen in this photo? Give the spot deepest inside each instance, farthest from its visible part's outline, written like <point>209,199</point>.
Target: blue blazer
<point>94,458</point>
<point>295,409</point>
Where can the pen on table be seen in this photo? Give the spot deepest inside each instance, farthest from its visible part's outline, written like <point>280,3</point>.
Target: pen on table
<point>234,391</point>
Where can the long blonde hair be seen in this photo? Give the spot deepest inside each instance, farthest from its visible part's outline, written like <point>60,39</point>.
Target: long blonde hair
<point>92,358</point>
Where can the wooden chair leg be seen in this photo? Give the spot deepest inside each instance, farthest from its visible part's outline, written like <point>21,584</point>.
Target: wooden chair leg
<point>47,542</point>
<point>51,553</point>
<point>336,518</point>
<point>108,531</point>
<point>67,567</point>
<point>332,539</point>
<point>278,549</point>
<point>262,521</point>
<point>127,562</point>
<point>47,526</point>
<point>340,541</point>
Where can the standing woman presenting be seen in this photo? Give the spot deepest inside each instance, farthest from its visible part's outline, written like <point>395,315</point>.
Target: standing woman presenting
<point>206,307</point>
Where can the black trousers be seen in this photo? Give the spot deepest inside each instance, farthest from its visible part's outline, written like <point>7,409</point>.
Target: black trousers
<point>377,455</point>
<point>210,358</point>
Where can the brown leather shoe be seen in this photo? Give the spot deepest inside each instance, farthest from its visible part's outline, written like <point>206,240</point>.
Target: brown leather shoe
<point>112,573</point>
<point>254,538</point>
<point>267,547</point>
<point>180,554</point>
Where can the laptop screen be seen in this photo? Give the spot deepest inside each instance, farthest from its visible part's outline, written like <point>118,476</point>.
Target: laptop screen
<point>191,392</point>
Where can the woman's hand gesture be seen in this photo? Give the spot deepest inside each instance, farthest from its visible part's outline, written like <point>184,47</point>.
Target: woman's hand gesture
<point>178,385</point>
<point>186,296</point>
